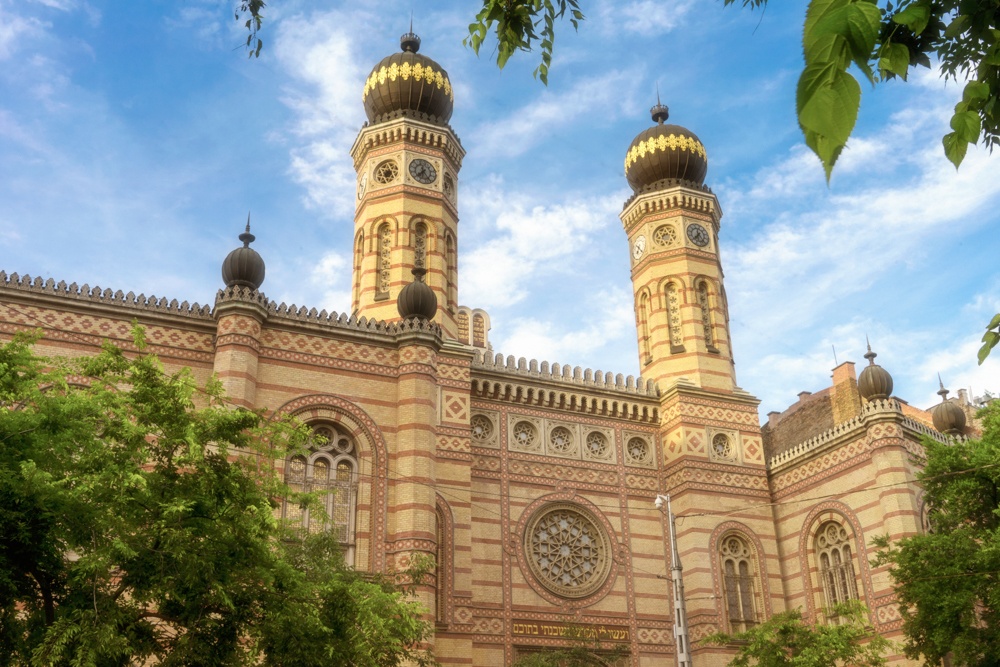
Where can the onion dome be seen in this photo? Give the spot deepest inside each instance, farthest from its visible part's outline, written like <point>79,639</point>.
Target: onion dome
<point>244,267</point>
<point>417,299</point>
<point>665,152</point>
<point>948,417</point>
<point>408,81</point>
<point>874,382</point>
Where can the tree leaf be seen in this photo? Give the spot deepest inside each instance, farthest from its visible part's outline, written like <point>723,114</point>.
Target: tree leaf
<point>975,90</point>
<point>954,148</point>
<point>967,126</point>
<point>895,59</point>
<point>827,103</point>
<point>915,17</point>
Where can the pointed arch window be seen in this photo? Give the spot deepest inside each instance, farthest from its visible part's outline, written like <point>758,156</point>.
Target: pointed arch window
<point>674,318</point>
<point>384,261</point>
<point>451,272</point>
<point>738,582</point>
<point>359,254</point>
<point>420,246</point>
<point>330,470</point>
<point>836,563</point>
<point>706,314</point>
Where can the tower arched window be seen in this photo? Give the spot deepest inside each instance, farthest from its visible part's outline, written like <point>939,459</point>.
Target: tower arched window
<point>836,563</point>
<point>442,565</point>
<point>706,314</point>
<point>739,576</point>
<point>420,246</point>
<point>329,470</point>
<point>644,328</point>
<point>463,326</point>
<point>452,270</point>
<point>359,254</point>
<point>674,318</point>
<point>384,275</point>
<point>478,330</point>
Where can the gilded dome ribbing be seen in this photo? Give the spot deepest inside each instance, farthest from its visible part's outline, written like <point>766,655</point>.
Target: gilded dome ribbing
<point>408,81</point>
<point>665,152</point>
<point>244,267</point>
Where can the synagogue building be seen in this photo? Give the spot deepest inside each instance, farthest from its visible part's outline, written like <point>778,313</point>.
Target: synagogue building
<point>532,484</point>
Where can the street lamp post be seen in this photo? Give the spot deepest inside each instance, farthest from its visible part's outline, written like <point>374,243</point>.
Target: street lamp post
<point>680,613</point>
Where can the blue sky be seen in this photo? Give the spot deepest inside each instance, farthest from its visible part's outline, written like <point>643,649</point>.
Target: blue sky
<point>134,137</point>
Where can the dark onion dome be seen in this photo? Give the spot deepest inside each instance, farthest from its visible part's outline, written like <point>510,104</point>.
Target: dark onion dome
<point>665,151</point>
<point>874,382</point>
<point>243,266</point>
<point>408,81</point>
<point>417,299</point>
<point>948,417</point>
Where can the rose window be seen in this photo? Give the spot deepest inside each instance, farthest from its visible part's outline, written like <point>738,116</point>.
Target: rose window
<point>665,235</point>
<point>524,435</point>
<point>567,551</point>
<point>638,450</point>
<point>561,440</point>
<point>597,445</point>
<point>386,172</point>
<point>482,428</point>
<point>722,446</point>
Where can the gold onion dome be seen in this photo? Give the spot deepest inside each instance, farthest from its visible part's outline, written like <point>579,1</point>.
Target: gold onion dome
<point>665,152</point>
<point>408,82</point>
<point>874,382</point>
<point>417,300</point>
<point>948,417</point>
<point>244,267</point>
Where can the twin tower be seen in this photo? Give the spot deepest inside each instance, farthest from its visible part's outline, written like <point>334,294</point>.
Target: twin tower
<point>407,159</point>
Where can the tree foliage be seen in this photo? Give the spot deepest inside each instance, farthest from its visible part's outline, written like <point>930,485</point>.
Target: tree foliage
<point>948,580</point>
<point>786,640</point>
<point>137,525</point>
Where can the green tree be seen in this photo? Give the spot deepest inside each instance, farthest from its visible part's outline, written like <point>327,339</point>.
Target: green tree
<point>948,580</point>
<point>786,640</point>
<point>137,524</point>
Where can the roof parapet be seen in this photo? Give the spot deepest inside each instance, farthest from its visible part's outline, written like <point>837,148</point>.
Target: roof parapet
<point>564,373</point>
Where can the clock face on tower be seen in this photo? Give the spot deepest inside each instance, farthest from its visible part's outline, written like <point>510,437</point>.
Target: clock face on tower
<point>697,234</point>
<point>639,247</point>
<point>423,171</point>
<point>362,185</point>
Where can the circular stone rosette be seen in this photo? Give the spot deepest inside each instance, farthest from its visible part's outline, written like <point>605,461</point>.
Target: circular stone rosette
<point>567,550</point>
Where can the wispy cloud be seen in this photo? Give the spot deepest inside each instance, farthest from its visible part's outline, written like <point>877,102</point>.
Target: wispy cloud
<point>643,17</point>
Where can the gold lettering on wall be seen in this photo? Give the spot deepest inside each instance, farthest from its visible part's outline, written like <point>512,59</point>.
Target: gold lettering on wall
<point>614,633</point>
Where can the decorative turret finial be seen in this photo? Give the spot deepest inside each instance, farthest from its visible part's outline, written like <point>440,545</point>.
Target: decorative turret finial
<point>659,112</point>
<point>417,300</point>
<point>948,417</point>
<point>874,382</point>
<point>410,42</point>
<point>246,236</point>
<point>870,356</point>
<point>244,267</point>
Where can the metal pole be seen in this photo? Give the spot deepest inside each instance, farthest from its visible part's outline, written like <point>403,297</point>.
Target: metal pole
<point>681,645</point>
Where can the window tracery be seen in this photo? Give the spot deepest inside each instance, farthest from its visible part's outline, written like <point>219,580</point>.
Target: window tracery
<point>674,316</point>
<point>836,563</point>
<point>567,550</point>
<point>384,260</point>
<point>482,428</point>
<point>665,235</point>
<point>524,436</point>
<point>738,574</point>
<point>561,440</point>
<point>420,246</point>
<point>706,314</point>
<point>451,268</point>
<point>644,327</point>
<point>463,326</point>
<point>359,253</point>
<point>328,469</point>
<point>598,446</point>
<point>637,450</point>
<point>478,330</point>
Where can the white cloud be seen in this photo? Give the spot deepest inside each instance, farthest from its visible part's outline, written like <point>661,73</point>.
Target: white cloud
<point>14,29</point>
<point>533,240</point>
<point>610,328</point>
<point>519,131</point>
<point>320,50</point>
<point>647,18</point>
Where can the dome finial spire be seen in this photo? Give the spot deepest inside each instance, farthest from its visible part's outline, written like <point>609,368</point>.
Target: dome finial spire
<point>246,236</point>
<point>942,392</point>
<point>870,356</point>
<point>410,42</point>
<point>659,112</point>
